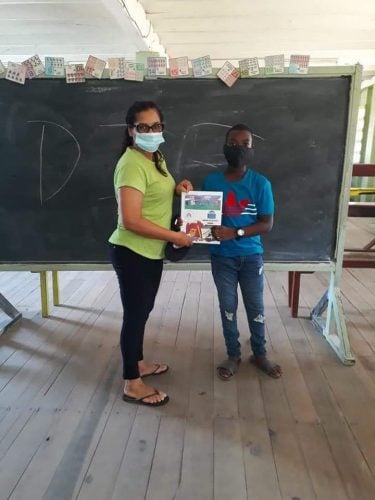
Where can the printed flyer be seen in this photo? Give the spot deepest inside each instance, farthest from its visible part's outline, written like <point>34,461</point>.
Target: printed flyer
<point>200,210</point>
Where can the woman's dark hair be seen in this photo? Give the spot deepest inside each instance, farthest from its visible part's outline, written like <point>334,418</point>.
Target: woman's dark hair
<point>131,117</point>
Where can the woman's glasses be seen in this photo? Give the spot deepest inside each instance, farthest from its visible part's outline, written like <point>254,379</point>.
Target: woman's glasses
<point>143,128</point>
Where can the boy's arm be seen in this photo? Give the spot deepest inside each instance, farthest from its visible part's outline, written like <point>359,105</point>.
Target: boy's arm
<point>264,225</point>
<point>265,206</point>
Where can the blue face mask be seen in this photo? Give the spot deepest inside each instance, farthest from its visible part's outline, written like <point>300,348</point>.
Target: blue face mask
<point>149,142</point>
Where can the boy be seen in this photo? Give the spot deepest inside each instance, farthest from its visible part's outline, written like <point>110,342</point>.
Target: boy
<point>247,213</point>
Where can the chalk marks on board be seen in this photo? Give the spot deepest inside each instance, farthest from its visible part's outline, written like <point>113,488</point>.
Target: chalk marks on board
<point>114,125</point>
<point>201,147</point>
<point>104,198</point>
<point>41,166</point>
<point>46,123</point>
<point>205,163</point>
<point>191,138</point>
<point>189,143</point>
<point>190,134</point>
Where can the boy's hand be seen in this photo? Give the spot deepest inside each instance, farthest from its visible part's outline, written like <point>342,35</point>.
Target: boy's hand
<point>222,233</point>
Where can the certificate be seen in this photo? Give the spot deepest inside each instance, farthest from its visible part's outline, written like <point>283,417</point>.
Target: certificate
<point>200,210</point>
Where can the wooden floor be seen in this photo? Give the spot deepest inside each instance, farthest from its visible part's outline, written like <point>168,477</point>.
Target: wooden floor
<point>66,434</point>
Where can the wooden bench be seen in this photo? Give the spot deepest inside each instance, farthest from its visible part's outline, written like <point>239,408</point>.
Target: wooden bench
<point>353,257</point>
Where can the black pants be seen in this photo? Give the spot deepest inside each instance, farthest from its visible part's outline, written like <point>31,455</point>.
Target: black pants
<point>139,280</point>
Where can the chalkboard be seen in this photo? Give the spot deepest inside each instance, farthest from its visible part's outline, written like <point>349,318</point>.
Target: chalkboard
<point>59,145</point>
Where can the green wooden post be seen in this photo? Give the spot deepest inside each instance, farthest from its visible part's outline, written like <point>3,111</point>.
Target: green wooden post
<point>368,139</point>
<point>44,293</point>
<point>55,288</point>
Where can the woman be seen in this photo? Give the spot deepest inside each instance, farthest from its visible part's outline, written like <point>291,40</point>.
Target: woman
<point>144,192</point>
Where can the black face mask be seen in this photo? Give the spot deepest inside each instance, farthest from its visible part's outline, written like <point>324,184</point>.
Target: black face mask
<point>238,156</point>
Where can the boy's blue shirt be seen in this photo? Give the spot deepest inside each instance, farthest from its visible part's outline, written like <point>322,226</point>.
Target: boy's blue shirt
<point>243,201</point>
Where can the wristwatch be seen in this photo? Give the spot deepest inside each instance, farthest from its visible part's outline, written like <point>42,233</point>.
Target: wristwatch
<point>240,233</point>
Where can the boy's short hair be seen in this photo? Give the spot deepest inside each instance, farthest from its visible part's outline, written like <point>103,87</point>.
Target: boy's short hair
<point>239,126</point>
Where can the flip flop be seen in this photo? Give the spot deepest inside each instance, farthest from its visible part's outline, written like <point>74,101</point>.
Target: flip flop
<point>141,401</point>
<point>230,365</point>
<point>268,367</point>
<point>155,372</point>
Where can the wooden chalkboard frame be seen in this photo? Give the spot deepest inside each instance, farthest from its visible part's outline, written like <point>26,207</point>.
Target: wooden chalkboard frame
<point>333,325</point>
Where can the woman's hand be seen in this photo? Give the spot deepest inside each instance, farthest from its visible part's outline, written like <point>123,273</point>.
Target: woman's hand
<point>181,239</point>
<point>183,187</point>
<point>222,233</point>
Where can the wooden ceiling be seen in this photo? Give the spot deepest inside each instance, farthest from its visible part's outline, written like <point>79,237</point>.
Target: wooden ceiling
<point>331,31</point>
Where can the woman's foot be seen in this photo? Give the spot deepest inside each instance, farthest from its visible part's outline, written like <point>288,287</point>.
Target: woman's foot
<point>148,369</point>
<point>137,390</point>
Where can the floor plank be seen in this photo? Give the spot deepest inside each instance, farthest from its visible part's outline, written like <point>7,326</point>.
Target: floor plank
<point>197,473</point>
<point>104,466</point>
<point>166,466</point>
<point>134,473</point>
<point>229,481</point>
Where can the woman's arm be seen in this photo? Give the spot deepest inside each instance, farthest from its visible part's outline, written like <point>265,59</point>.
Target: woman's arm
<point>130,202</point>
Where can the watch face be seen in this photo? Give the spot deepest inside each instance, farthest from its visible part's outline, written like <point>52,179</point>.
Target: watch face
<point>240,232</point>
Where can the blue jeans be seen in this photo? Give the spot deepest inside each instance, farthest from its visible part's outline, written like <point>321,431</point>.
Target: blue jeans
<point>246,271</point>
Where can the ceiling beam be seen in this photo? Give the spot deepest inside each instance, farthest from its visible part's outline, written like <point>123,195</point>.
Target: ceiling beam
<point>126,11</point>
